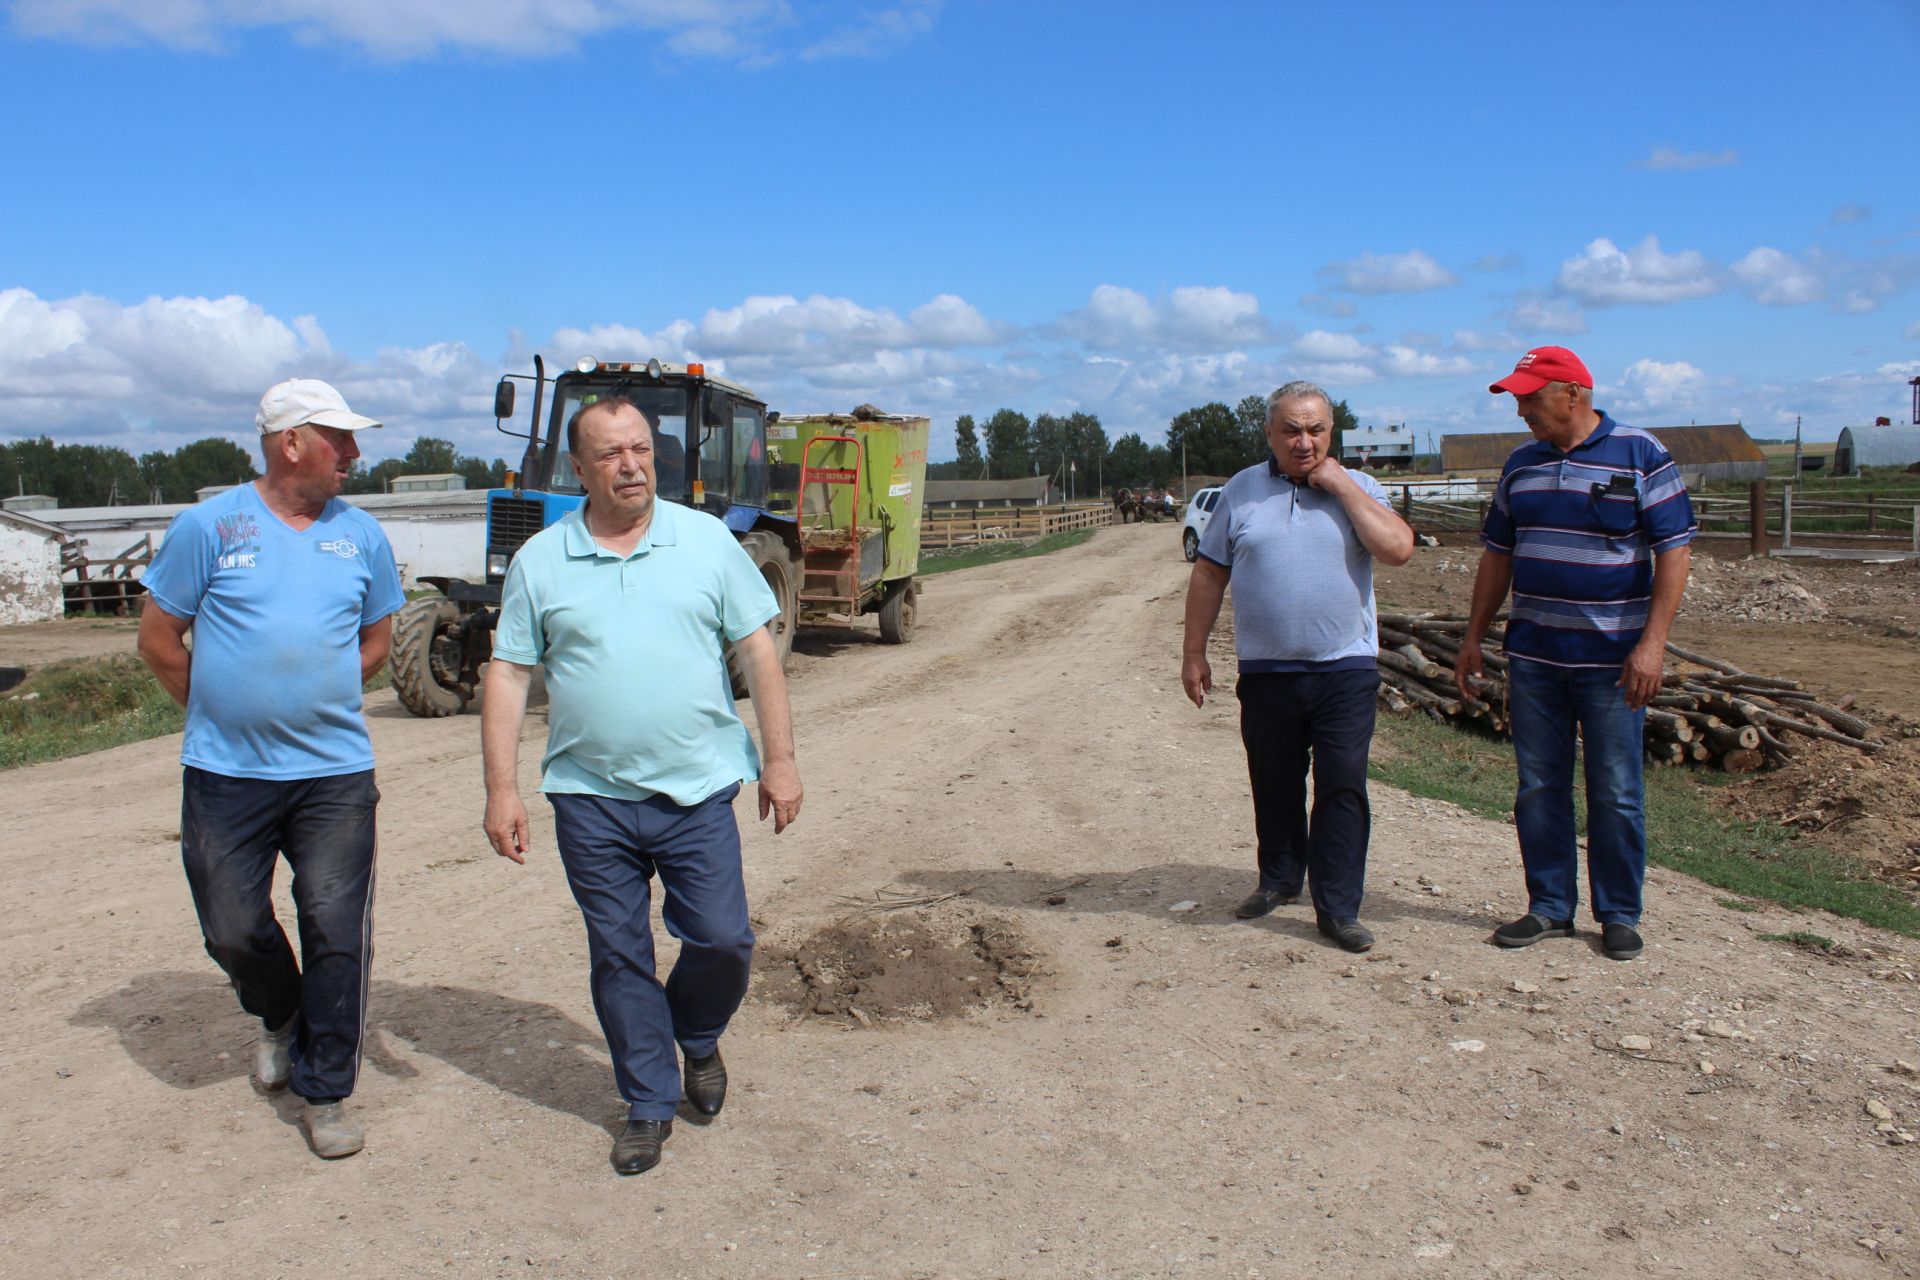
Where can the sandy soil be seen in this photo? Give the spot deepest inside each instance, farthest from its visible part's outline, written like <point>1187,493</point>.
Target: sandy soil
<point>1142,1086</point>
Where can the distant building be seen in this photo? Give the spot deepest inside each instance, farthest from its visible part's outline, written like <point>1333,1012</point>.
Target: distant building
<point>1888,446</point>
<point>206,491</point>
<point>1722,452</point>
<point>439,482</point>
<point>30,569</point>
<point>1388,446</point>
<point>961,495</point>
<point>29,502</point>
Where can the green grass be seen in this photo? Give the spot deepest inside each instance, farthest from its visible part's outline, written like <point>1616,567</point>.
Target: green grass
<point>91,704</point>
<point>1737,904</point>
<point>995,552</point>
<point>1686,830</point>
<point>85,704</point>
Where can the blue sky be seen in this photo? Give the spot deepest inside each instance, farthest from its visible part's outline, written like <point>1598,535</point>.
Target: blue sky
<point>1124,208</point>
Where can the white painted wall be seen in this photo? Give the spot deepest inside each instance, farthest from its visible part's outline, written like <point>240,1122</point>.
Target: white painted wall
<point>452,547</point>
<point>29,576</point>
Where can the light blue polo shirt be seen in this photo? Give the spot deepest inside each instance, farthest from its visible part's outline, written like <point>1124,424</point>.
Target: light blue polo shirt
<point>277,613</point>
<point>1302,580</point>
<point>638,698</point>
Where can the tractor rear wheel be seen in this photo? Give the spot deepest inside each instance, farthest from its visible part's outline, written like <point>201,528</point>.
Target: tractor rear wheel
<point>418,629</point>
<point>897,610</point>
<point>781,571</point>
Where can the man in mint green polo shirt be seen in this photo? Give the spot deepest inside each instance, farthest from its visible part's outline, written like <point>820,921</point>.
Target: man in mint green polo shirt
<point>628,605</point>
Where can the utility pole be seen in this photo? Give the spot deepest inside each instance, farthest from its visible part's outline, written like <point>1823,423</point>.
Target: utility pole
<point>1183,469</point>
<point>1796,446</point>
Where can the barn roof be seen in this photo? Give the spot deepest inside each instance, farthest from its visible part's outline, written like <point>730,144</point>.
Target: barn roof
<point>1026,488</point>
<point>1690,447</point>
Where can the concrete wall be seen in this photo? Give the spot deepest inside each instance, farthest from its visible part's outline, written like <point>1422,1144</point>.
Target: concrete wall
<point>29,576</point>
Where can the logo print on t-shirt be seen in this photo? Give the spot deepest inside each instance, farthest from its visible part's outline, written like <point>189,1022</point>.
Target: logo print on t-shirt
<point>239,541</point>
<point>342,547</point>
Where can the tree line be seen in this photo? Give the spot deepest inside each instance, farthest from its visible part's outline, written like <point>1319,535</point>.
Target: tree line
<point>1215,440</point>
<point>88,475</point>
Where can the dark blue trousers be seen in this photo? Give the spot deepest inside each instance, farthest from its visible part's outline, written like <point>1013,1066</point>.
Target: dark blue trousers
<point>611,848</point>
<point>1290,721</point>
<point>232,833</point>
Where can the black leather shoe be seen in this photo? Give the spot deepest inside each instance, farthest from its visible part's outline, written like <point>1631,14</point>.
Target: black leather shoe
<point>704,1083</point>
<point>1620,941</point>
<point>638,1148</point>
<point>1346,931</point>
<point>1261,901</point>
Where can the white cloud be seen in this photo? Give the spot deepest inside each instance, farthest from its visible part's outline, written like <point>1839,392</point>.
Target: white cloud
<point>1405,362</point>
<point>1603,274</point>
<point>749,31</point>
<point>1410,272</point>
<point>1338,308</point>
<point>1668,159</point>
<point>1318,344</point>
<point>1649,385</point>
<point>1480,340</point>
<point>1192,318</point>
<point>1855,212</point>
<point>1535,313</point>
<point>1777,279</point>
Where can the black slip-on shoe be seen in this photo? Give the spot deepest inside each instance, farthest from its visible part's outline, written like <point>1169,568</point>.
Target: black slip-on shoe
<point>1261,901</point>
<point>1620,941</point>
<point>1346,931</point>
<point>637,1149</point>
<point>1529,929</point>
<point>703,1083</point>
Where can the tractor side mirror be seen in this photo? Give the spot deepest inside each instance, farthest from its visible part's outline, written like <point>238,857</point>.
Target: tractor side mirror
<point>503,400</point>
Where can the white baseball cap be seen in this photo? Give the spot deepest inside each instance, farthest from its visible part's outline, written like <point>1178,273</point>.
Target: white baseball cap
<point>306,402</point>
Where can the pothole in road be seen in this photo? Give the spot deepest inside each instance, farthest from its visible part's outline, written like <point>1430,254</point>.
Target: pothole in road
<point>902,966</point>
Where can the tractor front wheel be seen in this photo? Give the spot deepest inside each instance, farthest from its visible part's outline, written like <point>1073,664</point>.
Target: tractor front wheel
<point>426,659</point>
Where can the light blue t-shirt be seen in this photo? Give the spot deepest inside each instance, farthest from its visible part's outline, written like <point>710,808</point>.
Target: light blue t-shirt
<point>277,613</point>
<point>1302,579</point>
<point>638,698</point>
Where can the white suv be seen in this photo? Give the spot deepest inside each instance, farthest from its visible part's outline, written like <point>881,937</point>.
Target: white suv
<point>1199,511</point>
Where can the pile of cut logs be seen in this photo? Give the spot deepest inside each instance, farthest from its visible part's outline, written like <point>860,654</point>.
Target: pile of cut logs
<point>1717,714</point>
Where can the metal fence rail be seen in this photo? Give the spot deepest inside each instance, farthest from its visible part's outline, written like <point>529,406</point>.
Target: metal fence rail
<point>986,524</point>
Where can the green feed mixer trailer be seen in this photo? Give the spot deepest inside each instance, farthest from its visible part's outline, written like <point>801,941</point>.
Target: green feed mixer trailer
<point>714,450</point>
<point>857,483</point>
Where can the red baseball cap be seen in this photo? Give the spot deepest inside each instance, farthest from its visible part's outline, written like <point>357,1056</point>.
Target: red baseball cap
<point>1543,365</point>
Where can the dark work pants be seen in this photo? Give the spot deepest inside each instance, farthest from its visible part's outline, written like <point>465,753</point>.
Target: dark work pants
<point>1289,721</point>
<point>611,848</point>
<point>232,833</point>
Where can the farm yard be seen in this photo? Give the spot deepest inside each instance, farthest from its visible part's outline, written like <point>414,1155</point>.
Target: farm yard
<point>1003,1021</point>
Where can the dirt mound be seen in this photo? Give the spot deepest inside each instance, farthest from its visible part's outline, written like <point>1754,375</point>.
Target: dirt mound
<point>1751,591</point>
<point>1864,807</point>
<point>903,966</point>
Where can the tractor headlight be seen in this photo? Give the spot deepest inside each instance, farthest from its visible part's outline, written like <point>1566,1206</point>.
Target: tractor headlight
<point>497,564</point>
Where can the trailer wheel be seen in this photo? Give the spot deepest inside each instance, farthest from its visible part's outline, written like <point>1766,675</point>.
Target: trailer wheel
<point>418,629</point>
<point>896,612</point>
<point>781,573</point>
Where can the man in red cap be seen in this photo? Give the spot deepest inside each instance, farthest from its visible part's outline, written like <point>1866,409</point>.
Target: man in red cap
<point>1590,530</point>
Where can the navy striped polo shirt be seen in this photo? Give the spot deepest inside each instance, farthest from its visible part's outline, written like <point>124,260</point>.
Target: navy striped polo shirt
<point>1583,528</point>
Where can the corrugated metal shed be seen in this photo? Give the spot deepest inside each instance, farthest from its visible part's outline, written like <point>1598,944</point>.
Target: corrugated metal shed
<point>1718,452</point>
<point>1897,446</point>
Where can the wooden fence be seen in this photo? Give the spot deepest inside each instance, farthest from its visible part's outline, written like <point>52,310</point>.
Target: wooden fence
<point>985,524</point>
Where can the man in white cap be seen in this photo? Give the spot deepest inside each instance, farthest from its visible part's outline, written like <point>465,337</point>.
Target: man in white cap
<point>287,591</point>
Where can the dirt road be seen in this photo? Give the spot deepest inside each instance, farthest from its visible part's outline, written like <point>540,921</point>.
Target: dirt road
<point>1140,1089</point>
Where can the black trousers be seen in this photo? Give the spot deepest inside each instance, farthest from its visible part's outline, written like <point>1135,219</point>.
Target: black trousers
<point>233,833</point>
<point>1324,720</point>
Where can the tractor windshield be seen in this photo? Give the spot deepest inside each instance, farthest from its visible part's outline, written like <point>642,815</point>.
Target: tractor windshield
<point>666,406</point>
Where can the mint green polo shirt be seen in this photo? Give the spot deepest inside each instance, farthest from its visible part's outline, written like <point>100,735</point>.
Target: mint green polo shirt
<point>633,647</point>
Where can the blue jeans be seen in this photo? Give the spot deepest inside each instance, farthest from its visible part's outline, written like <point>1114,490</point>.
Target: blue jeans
<point>1545,705</point>
<point>233,832</point>
<point>611,848</point>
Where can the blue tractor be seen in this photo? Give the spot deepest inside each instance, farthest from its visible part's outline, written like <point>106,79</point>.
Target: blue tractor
<point>710,453</point>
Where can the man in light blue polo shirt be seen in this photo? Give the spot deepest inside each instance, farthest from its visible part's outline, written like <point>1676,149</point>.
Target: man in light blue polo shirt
<point>1297,535</point>
<point>628,605</point>
<point>287,591</point>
